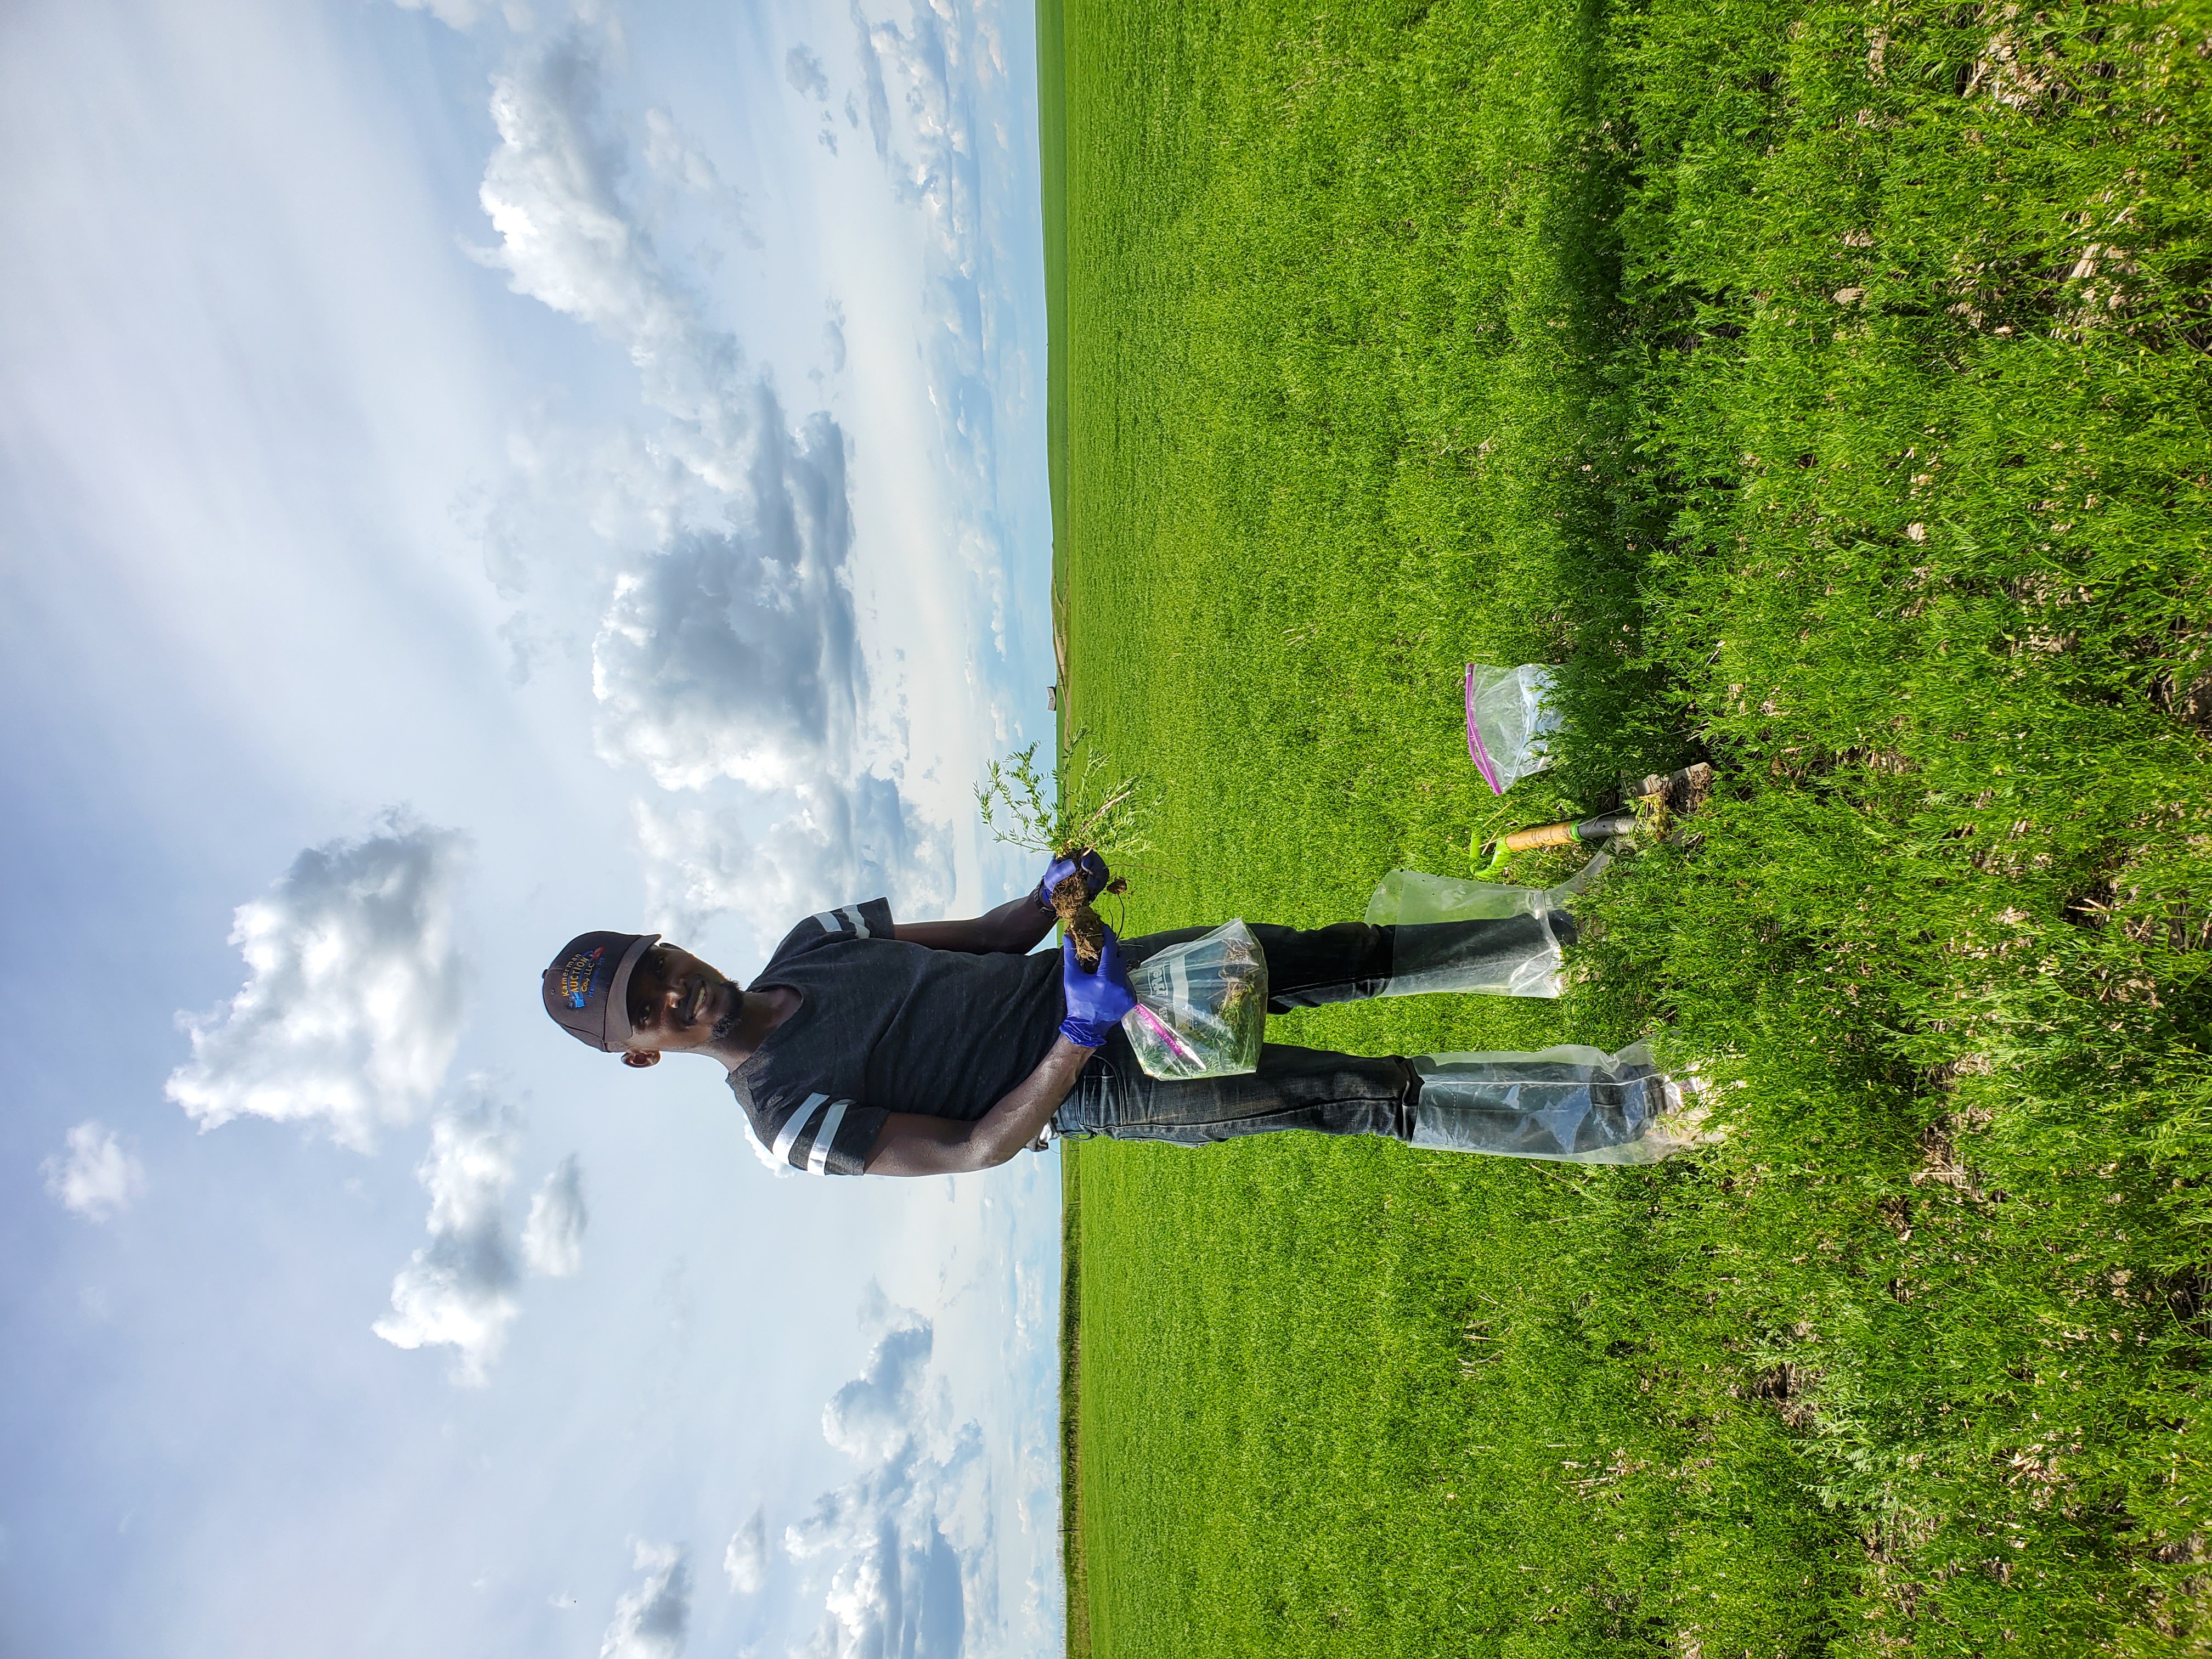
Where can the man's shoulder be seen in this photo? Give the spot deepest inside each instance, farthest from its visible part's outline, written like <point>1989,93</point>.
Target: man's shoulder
<point>764,1089</point>
<point>870,919</point>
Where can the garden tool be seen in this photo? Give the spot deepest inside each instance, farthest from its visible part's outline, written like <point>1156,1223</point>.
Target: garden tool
<point>1650,802</point>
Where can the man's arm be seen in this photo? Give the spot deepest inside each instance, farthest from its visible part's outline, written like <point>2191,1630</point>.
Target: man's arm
<point>1014,928</point>
<point>910,1144</point>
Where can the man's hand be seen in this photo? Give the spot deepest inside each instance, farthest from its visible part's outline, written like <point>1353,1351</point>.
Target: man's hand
<point>1096,875</point>
<point>1095,1002</point>
<point>912,1145</point>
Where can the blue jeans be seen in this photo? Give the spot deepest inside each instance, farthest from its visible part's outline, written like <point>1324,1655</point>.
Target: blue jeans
<point>1551,1105</point>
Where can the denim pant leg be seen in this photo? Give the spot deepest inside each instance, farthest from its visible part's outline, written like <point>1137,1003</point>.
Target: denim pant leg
<point>1293,1089</point>
<point>1569,1102</point>
<point>1317,1089</point>
<point>1351,961</point>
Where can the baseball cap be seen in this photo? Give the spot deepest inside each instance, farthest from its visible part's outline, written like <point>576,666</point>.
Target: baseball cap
<point>587,987</point>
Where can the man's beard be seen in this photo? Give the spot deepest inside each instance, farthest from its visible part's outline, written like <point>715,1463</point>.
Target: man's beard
<point>726,1027</point>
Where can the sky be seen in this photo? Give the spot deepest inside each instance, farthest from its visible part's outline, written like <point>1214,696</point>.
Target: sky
<point>474,473</point>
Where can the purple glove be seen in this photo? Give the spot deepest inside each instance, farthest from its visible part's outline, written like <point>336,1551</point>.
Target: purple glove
<point>1095,1002</point>
<point>1096,875</point>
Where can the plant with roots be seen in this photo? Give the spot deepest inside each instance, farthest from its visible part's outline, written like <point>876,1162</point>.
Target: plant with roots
<point>1091,811</point>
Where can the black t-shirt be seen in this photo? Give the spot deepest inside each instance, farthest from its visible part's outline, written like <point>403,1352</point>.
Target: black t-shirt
<point>885,1026</point>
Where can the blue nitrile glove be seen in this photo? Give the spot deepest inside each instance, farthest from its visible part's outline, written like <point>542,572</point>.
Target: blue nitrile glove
<point>1095,1002</point>
<point>1096,875</point>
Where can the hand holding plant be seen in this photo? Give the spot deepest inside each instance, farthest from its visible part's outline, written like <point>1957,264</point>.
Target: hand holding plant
<point>1090,813</point>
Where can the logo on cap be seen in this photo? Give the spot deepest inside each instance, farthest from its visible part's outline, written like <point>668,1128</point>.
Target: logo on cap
<point>577,975</point>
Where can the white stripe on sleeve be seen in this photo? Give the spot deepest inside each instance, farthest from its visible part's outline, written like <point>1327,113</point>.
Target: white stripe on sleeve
<point>795,1126</point>
<point>829,921</point>
<point>817,1160</point>
<point>853,911</point>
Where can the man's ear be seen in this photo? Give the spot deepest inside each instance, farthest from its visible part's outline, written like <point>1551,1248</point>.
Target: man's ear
<point>641,1058</point>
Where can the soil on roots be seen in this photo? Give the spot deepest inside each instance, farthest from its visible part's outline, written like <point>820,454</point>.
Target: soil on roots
<point>1071,902</point>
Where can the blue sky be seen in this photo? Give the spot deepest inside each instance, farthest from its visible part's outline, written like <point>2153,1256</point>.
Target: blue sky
<point>475,473</point>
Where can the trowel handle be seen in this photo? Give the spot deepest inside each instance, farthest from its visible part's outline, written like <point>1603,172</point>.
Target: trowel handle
<point>1565,834</point>
<point>1548,835</point>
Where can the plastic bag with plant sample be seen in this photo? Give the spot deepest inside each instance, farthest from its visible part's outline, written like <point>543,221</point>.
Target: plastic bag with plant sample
<point>1508,715</point>
<point>1202,1006</point>
<point>1429,956</point>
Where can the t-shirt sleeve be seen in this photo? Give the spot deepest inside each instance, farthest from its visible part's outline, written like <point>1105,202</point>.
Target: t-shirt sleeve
<point>870,919</point>
<point>819,1133</point>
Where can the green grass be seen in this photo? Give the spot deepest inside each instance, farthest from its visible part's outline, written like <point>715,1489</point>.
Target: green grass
<point>1071,1375</point>
<point>1051,177</point>
<point>1824,389</point>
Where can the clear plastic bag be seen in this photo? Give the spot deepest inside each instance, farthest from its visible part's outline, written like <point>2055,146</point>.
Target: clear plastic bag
<point>1433,957</point>
<point>1569,1104</point>
<point>1202,1006</point>
<point>1508,717</point>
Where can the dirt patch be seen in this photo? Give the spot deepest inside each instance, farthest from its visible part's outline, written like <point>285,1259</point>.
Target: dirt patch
<point>1940,1163</point>
<point>1788,1385</point>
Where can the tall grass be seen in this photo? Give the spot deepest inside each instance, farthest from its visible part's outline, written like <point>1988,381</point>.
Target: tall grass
<point>1824,387</point>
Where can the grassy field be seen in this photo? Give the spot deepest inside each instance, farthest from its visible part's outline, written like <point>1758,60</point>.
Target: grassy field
<point>1825,388</point>
<point>1052,171</point>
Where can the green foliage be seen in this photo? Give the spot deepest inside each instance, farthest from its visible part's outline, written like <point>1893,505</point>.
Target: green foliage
<point>1088,807</point>
<point>1823,387</point>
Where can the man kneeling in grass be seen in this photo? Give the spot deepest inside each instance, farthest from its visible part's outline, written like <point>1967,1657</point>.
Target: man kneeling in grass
<point>877,1047</point>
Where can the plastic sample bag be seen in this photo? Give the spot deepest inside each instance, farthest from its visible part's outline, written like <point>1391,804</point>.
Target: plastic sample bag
<point>1508,717</point>
<point>1202,1006</point>
<point>1431,955</point>
<point>1570,1104</point>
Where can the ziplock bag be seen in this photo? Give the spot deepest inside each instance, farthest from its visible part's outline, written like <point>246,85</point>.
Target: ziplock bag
<point>1570,1104</point>
<point>1202,1006</point>
<point>1432,957</point>
<point>1508,717</point>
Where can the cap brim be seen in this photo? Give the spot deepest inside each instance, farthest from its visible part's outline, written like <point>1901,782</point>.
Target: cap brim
<point>619,1030</point>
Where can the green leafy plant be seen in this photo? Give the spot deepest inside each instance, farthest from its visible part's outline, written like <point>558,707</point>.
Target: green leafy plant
<point>1092,810</point>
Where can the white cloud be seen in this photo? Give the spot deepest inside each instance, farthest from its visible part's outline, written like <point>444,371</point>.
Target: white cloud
<point>936,157</point>
<point>553,1237</point>
<point>871,78</point>
<point>745,1561</point>
<point>352,1009</point>
<point>732,653</point>
<point>99,1177</point>
<point>676,159</point>
<point>459,1289</point>
<point>569,495</point>
<point>802,67</point>
<point>729,648</point>
<point>936,92</point>
<point>902,1586</point>
<point>651,1621</point>
<point>568,238</point>
<point>465,14</point>
<point>820,846</point>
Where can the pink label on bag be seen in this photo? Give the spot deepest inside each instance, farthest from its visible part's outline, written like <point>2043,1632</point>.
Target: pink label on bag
<point>1182,1050</point>
<point>1474,749</point>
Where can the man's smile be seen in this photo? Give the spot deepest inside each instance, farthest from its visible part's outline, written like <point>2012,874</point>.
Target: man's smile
<point>694,1005</point>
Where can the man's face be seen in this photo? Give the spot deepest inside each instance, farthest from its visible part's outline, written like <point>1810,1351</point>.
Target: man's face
<point>675,1001</point>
